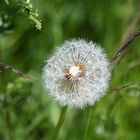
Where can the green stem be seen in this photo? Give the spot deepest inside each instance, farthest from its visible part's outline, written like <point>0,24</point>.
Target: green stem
<point>88,122</point>
<point>60,123</point>
<point>8,124</point>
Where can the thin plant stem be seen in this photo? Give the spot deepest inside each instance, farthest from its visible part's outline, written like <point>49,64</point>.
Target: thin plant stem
<point>11,68</point>
<point>60,123</point>
<point>128,36</point>
<point>124,46</point>
<point>8,124</point>
<point>121,87</point>
<point>88,122</point>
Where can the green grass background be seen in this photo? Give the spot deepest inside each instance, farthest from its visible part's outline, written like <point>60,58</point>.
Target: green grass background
<point>26,110</point>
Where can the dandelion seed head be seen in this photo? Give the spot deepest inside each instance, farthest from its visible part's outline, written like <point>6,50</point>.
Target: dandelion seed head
<point>77,74</point>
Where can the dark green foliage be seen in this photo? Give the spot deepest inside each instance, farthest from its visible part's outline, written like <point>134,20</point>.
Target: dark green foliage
<point>26,110</point>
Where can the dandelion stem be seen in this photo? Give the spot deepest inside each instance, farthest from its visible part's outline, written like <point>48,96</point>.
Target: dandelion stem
<point>88,122</point>
<point>60,123</point>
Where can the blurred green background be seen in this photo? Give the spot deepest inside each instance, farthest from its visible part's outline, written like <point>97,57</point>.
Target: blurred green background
<point>26,110</point>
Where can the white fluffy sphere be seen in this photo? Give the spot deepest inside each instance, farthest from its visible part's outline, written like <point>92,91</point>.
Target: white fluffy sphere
<point>77,74</point>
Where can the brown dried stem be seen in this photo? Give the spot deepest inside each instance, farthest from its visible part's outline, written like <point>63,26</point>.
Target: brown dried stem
<point>121,87</point>
<point>124,46</point>
<point>11,68</point>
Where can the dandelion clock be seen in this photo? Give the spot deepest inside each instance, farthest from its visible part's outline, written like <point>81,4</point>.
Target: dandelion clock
<point>77,74</point>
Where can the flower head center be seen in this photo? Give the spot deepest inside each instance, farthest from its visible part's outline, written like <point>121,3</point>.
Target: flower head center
<point>74,70</point>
